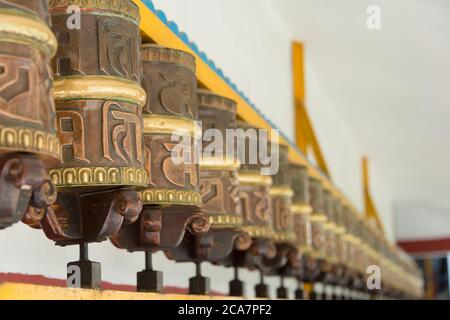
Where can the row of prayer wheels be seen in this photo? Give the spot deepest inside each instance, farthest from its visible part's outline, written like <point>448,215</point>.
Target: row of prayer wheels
<point>100,140</point>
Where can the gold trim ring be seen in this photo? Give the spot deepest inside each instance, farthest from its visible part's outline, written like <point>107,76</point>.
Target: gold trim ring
<point>254,179</point>
<point>225,220</point>
<point>284,236</point>
<point>28,30</point>
<point>331,226</point>
<point>221,163</point>
<point>167,125</point>
<point>98,176</point>
<point>98,88</point>
<point>171,197</point>
<point>122,7</point>
<point>30,140</point>
<point>301,209</point>
<point>281,192</point>
<point>318,217</point>
<point>259,232</point>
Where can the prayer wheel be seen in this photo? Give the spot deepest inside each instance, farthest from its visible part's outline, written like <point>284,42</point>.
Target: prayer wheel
<point>330,245</point>
<point>99,102</point>
<point>172,200</point>
<point>301,221</point>
<point>254,194</point>
<point>315,269</point>
<point>219,186</point>
<point>28,139</point>
<point>286,262</point>
<point>341,279</point>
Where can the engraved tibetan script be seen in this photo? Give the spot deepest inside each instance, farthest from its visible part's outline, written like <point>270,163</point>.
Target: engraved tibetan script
<point>124,131</point>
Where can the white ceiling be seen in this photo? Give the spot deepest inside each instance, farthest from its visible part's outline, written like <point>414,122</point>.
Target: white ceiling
<point>391,87</point>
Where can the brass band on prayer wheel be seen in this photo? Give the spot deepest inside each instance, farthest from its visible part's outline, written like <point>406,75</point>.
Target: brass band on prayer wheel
<point>301,208</point>
<point>318,218</point>
<point>219,183</point>
<point>98,95</point>
<point>254,190</point>
<point>281,198</point>
<point>169,119</point>
<point>27,121</point>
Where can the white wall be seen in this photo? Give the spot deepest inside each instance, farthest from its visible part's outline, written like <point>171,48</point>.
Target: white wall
<point>251,43</point>
<point>416,221</point>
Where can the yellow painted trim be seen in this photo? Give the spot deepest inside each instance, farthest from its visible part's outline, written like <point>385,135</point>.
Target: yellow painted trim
<point>18,291</point>
<point>370,209</point>
<point>305,135</point>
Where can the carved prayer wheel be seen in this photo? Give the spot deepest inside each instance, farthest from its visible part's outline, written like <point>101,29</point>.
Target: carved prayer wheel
<point>341,249</point>
<point>351,278</point>
<point>99,104</point>
<point>301,221</point>
<point>28,140</point>
<point>315,269</point>
<point>357,244</point>
<point>254,194</point>
<point>286,262</point>
<point>330,244</point>
<point>172,198</point>
<point>219,187</point>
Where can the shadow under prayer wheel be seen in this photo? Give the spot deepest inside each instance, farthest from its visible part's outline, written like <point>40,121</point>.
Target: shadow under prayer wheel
<point>301,220</point>
<point>99,104</point>
<point>28,140</point>
<point>172,200</point>
<point>219,187</point>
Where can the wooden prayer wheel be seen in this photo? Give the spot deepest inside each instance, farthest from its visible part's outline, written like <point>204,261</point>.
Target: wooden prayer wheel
<point>301,221</point>
<point>301,208</point>
<point>99,103</point>
<point>254,194</point>
<point>28,140</point>
<point>330,230</point>
<point>315,267</point>
<point>357,244</point>
<point>219,186</point>
<point>286,262</point>
<point>351,241</point>
<point>172,199</point>
<point>342,278</point>
<point>318,219</point>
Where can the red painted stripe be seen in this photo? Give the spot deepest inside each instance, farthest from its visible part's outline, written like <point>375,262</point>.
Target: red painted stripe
<point>44,281</point>
<point>425,245</point>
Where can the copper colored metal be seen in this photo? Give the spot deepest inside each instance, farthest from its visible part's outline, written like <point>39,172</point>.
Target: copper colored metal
<point>219,186</point>
<point>171,198</point>
<point>28,141</point>
<point>286,262</point>
<point>99,104</point>
<point>301,219</point>
<point>315,266</point>
<point>254,194</point>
